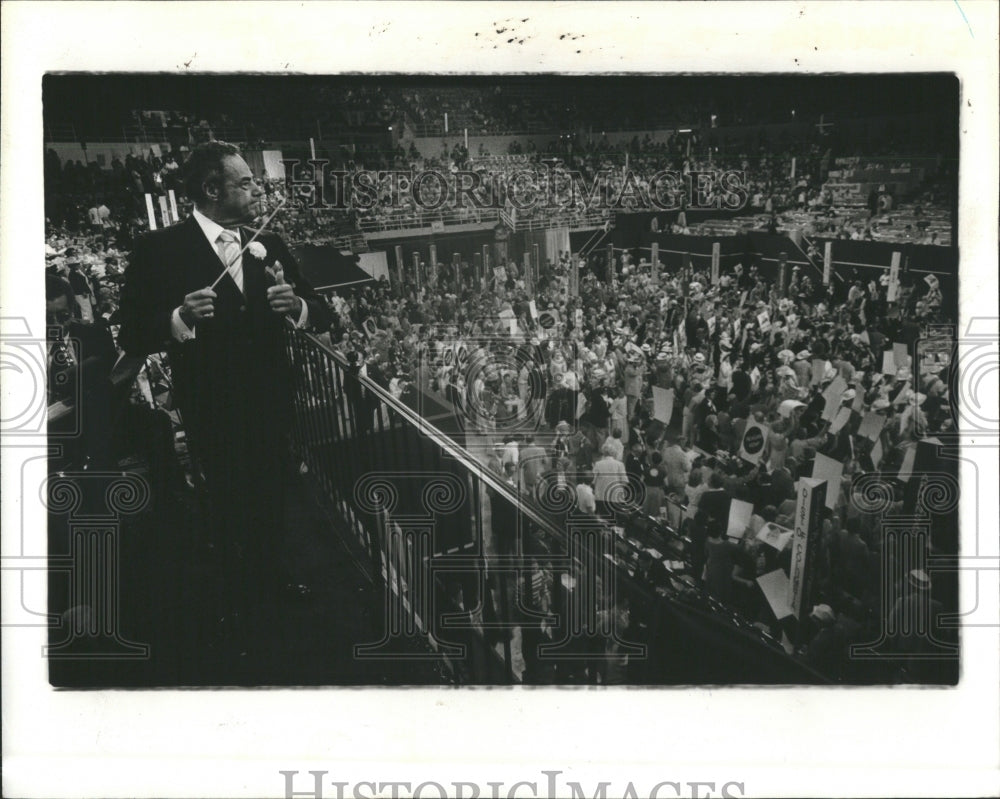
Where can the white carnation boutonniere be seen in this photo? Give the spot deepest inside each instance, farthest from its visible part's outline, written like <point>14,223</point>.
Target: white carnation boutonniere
<point>275,270</point>
<point>257,250</point>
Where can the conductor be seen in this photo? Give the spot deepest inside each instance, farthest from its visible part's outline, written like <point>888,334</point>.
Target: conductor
<point>230,373</point>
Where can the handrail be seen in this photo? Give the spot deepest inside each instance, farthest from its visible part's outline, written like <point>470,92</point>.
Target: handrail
<point>417,219</point>
<point>439,437</point>
<point>706,603</point>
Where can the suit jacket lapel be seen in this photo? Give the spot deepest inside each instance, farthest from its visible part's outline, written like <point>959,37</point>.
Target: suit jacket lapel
<point>253,270</point>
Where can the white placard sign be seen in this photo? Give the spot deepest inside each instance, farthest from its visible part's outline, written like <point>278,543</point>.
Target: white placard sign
<point>753,441</point>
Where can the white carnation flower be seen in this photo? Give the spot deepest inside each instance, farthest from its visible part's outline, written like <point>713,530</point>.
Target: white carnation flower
<point>257,250</point>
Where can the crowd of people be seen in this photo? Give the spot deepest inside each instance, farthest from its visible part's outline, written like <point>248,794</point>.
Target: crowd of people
<point>817,368</point>
<point>785,179</point>
<point>820,370</point>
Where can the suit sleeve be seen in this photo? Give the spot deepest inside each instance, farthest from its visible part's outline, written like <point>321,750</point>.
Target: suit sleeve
<point>320,316</point>
<point>145,307</point>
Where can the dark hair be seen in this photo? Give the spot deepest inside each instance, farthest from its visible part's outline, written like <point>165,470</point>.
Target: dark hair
<point>56,287</point>
<point>204,165</point>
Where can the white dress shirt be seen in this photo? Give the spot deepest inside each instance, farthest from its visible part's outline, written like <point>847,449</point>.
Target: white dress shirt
<point>211,229</point>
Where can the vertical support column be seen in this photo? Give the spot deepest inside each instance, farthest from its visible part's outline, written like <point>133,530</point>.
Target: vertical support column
<point>399,264</point>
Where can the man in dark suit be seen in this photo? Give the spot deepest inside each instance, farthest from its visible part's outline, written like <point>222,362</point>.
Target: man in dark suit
<point>232,380</point>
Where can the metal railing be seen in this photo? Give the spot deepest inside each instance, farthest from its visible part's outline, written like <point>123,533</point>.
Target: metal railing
<point>418,219</point>
<point>461,554</point>
<point>591,218</point>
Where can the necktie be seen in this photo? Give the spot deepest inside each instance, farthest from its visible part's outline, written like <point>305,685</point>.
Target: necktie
<point>228,245</point>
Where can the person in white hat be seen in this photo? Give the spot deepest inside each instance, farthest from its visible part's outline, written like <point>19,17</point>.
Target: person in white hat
<point>916,616</point>
<point>634,373</point>
<point>827,649</point>
<point>803,367</point>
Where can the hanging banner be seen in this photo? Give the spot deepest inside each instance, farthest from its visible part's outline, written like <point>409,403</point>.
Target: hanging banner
<point>611,265</point>
<point>477,265</point>
<point>416,271</point>
<point>782,271</point>
<point>655,268</point>
<point>809,502</point>
<point>827,262</point>
<point>456,267</point>
<point>716,255</point>
<point>753,441</point>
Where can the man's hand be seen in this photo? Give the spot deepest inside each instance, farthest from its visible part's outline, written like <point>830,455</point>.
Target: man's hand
<point>283,300</point>
<point>198,305</point>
